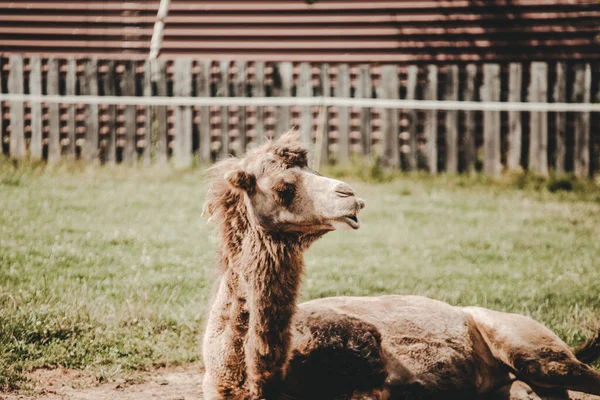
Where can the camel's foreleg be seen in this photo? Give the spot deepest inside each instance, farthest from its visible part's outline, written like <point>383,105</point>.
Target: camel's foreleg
<point>534,353</point>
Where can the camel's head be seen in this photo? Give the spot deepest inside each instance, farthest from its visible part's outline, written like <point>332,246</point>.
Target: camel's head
<point>280,193</point>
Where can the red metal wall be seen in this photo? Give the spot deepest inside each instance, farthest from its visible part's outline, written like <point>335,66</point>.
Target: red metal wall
<point>327,30</point>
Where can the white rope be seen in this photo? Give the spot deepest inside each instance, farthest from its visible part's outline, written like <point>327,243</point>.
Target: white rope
<point>306,101</point>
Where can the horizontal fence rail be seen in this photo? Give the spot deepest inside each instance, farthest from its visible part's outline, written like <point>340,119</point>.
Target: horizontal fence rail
<point>454,118</point>
<point>306,101</point>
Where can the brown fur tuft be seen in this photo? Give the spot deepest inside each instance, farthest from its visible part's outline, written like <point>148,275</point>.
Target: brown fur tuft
<point>241,180</point>
<point>290,150</point>
<point>590,350</point>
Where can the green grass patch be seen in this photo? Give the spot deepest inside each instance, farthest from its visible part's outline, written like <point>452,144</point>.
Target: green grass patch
<point>112,268</point>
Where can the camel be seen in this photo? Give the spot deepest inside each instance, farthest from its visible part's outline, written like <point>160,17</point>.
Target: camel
<point>269,207</point>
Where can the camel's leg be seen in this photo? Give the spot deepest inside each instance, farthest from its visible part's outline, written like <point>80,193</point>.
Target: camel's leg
<point>521,391</point>
<point>224,348</point>
<point>534,353</point>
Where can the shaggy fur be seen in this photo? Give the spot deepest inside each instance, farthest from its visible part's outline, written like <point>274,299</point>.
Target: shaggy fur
<point>268,208</point>
<point>259,270</point>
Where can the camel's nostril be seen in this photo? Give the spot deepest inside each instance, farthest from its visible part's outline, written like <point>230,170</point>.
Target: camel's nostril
<point>361,203</point>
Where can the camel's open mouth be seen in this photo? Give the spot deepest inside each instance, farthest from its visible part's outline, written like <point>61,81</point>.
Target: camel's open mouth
<point>351,220</point>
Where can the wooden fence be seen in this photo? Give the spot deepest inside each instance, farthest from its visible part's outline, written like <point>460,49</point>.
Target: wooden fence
<point>451,141</point>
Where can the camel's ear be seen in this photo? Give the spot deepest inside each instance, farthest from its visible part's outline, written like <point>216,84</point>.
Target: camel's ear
<point>241,180</point>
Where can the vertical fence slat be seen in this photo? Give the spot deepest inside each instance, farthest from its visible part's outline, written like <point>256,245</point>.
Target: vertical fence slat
<point>412,74</point>
<point>223,91</point>
<point>71,90</point>
<point>203,87</point>
<point>515,130</point>
<point>285,70</point>
<point>182,142</point>
<point>582,87</point>
<point>560,96</point>
<point>17,131</point>
<point>159,77</point>
<point>322,143</point>
<point>2,130</point>
<point>431,93</point>
<point>391,151</point>
<point>538,131</point>
<point>491,120</point>
<point>342,90</point>
<point>110,90</point>
<point>258,90</point>
<point>128,89</point>
<point>90,148</point>
<point>451,93</point>
<point>35,88</point>
<point>363,90</point>
<point>52,88</point>
<point>469,94</point>
<point>147,88</point>
<point>239,91</point>
<point>305,90</point>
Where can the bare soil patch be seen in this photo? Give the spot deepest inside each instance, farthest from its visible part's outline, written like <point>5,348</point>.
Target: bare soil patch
<point>178,383</point>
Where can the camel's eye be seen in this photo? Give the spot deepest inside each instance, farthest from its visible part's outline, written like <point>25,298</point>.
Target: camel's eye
<point>285,192</point>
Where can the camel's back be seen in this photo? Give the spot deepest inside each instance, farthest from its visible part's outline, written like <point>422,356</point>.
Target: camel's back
<point>412,343</point>
<point>405,315</point>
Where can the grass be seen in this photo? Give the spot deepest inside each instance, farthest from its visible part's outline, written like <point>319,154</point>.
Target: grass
<point>110,269</point>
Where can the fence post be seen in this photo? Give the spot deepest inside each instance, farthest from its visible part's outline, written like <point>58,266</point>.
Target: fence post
<point>71,90</point>
<point>364,91</point>
<point>305,90</point>
<point>491,120</point>
<point>342,90</point>
<point>147,88</point>
<point>538,131</point>
<point>451,93</point>
<point>259,91</point>
<point>469,94</point>
<point>515,130</point>
<point>237,116</point>
<point>90,88</point>
<point>35,88</point>
<point>323,145</point>
<point>203,87</point>
<point>128,89</point>
<point>223,91</point>
<point>17,131</point>
<point>285,72</point>
<point>582,94</point>
<point>2,132</point>
<point>241,89</point>
<point>391,145</point>
<point>159,76</point>
<point>431,93</point>
<point>560,96</point>
<point>182,142</point>
<point>412,75</point>
<point>110,90</point>
<point>52,88</point>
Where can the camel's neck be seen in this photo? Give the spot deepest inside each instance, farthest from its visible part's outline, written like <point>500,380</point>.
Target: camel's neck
<point>256,301</point>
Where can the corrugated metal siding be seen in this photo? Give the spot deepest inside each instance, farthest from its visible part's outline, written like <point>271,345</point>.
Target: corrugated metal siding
<point>327,30</point>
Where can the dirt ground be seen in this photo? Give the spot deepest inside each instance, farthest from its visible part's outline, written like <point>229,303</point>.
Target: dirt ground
<point>179,383</point>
